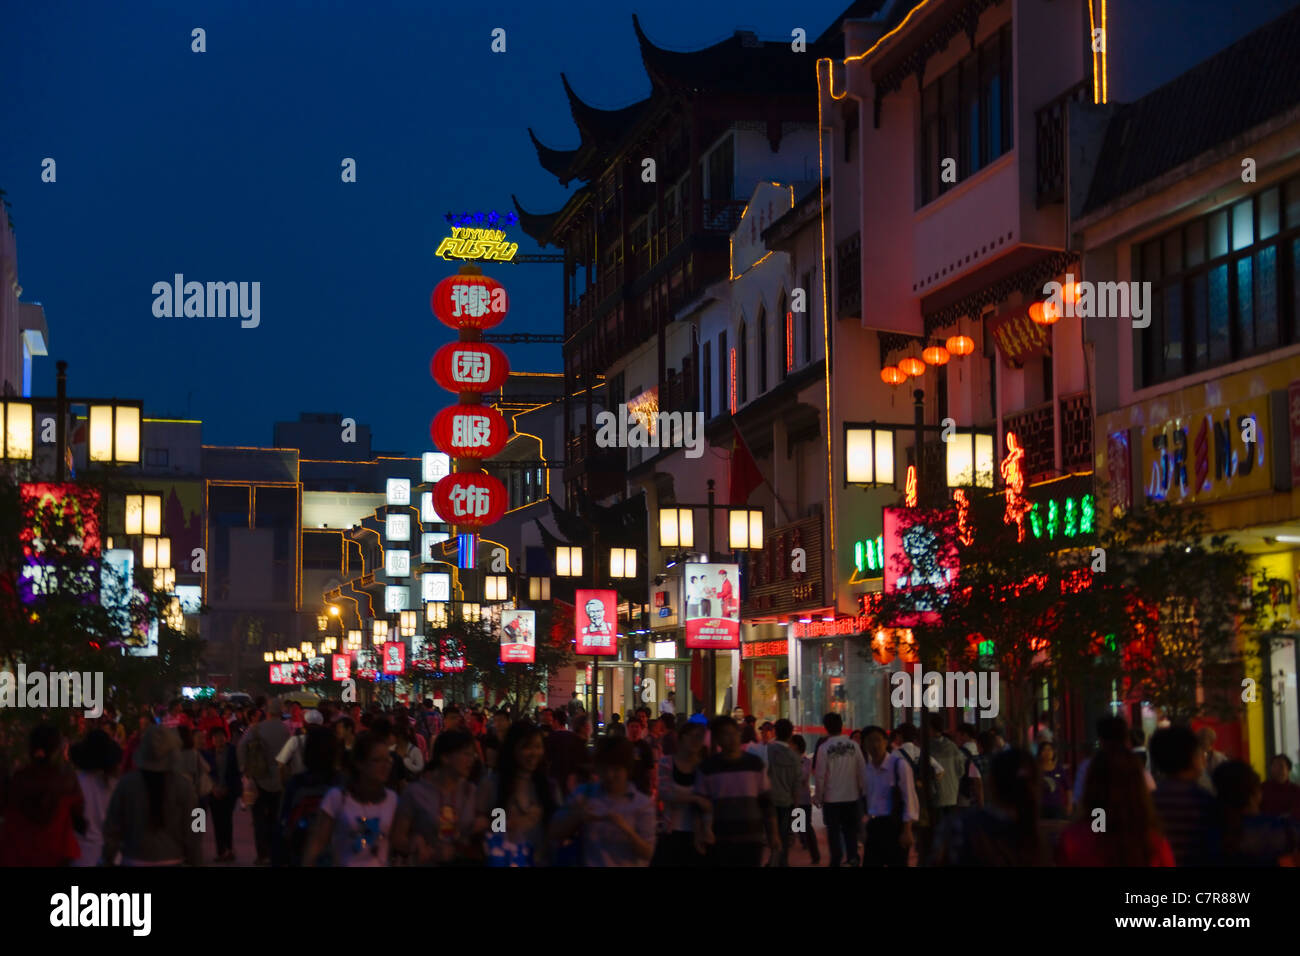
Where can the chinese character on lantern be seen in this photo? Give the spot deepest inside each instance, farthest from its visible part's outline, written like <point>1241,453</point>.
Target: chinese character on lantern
<point>470,431</point>
<point>469,500</point>
<point>471,300</point>
<point>471,366</point>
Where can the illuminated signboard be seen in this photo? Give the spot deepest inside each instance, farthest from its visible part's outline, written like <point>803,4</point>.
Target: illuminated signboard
<point>487,244</point>
<point>765,649</point>
<point>517,633</point>
<point>596,623</point>
<point>921,560</point>
<point>60,512</point>
<point>1217,452</point>
<point>1066,519</point>
<point>869,556</point>
<point>491,218</point>
<point>712,605</point>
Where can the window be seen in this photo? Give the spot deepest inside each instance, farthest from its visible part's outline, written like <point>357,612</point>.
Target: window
<point>1223,286</point>
<point>966,116</point>
<point>762,350</point>
<point>155,457</point>
<point>722,170</point>
<point>706,386</point>
<point>723,385</point>
<point>742,380</point>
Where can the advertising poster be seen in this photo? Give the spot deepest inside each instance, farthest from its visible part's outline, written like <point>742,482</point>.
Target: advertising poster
<point>595,618</point>
<point>451,659</point>
<point>920,560</point>
<point>342,666</point>
<point>712,600</point>
<point>517,635</point>
<point>367,663</point>
<point>394,657</point>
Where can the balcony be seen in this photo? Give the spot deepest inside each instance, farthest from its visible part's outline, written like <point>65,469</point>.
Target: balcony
<point>1036,431</point>
<point>1049,126</point>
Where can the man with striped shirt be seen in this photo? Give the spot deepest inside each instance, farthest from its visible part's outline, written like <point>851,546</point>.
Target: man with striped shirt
<point>742,815</point>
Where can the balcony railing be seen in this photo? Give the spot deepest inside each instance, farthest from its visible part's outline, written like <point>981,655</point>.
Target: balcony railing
<point>1076,432</point>
<point>1050,127</point>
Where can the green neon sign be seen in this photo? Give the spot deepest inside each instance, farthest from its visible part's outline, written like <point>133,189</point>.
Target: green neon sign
<point>869,556</point>
<point>1068,519</point>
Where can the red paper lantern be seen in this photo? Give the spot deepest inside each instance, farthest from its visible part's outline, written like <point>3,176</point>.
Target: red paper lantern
<point>935,355</point>
<point>1043,313</point>
<point>960,345</point>
<point>912,366</point>
<point>465,301</point>
<point>892,375</point>
<point>470,499</point>
<point>469,431</point>
<point>470,367</point>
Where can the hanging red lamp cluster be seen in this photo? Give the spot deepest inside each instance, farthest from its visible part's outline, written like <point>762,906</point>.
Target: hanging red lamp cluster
<point>470,432</point>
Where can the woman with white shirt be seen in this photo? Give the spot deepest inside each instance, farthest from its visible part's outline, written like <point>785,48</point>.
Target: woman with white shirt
<point>355,822</point>
<point>97,759</point>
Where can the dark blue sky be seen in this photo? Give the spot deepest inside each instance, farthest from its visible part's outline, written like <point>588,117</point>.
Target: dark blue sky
<point>225,166</point>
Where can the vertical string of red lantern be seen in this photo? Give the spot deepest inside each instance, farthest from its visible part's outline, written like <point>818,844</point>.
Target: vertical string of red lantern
<point>469,432</point>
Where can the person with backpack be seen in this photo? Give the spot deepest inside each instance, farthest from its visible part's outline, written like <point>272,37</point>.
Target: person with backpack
<point>256,753</point>
<point>904,740</point>
<point>955,765</point>
<point>970,791</point>
<point>304,792</point>
<point>892,804</point>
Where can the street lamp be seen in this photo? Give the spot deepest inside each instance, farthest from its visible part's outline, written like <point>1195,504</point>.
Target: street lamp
<point>746,529</point>
<point>539,589</point>
<point>408,620</point>
<point>622,562</point>
<point>114,434</point>
<point>378,631</point>
<point>677,528</point>
<point>435,612</point>
<point>16,419</point>
<point>156,553</point>
<point>868,454</point>
<point>144,514</point>
<point>164,579</point>
<point>354,639</point>
<point>495,588</point>
<point>568,561</point>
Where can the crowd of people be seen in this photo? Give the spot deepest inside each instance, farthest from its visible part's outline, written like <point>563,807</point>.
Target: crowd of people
<point>343,785</point>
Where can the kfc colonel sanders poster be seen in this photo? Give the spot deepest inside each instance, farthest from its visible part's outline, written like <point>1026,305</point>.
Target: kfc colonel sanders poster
<point>595,616</point>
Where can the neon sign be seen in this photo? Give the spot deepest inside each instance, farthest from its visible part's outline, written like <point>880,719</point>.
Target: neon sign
<point>869,555</point>
<point>1014,476</point>
<point>465,243</point>
<point>911,487</point>
<point>1067,520</point>
<point>965,529</point>
<point>490,218</point>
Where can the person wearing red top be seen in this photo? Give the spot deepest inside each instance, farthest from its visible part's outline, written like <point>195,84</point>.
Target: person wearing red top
<point>1130,830</point>
<point>43,807</point>
<point>1280,797</point>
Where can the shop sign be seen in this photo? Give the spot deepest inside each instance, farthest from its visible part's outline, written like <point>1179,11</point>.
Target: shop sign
<point>764,649</point>
<point>855,624</point>
<point>1214,453</point>
<point>787,574</point>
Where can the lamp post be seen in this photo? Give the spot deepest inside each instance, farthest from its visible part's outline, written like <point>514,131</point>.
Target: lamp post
<point>745,533</point>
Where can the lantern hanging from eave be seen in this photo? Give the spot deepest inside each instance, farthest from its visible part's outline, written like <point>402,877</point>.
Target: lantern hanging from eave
<point>893,375</point>
<point>912,366</point>
<point>469,301</point>
<point>470,367</point>
<point>469,431</point>
<point>1043,313</point>
<point>936,355</point>
<point>470,500</point>
<point>960,345</point>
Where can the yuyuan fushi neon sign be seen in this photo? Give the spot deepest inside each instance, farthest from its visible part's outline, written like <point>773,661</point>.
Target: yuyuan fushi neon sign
<point>483,244</point>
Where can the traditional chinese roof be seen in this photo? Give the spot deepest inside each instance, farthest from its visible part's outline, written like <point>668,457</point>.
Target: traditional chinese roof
<point>540,225</point>
<point>741,63</point>
<point>557,162</point>
<point>1238,89</point>
<point>600,125</point>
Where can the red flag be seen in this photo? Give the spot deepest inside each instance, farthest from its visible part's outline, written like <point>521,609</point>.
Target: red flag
<point>697,677</point>
<point>745,476</point>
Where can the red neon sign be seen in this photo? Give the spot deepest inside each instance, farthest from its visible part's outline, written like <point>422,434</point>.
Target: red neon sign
<point>1013,475</point>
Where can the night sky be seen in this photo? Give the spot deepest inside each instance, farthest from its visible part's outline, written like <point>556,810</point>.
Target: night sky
<point>225,166</point>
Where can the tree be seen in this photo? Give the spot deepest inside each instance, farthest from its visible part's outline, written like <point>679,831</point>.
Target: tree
<point>60,612</point>
<point>516,682</point>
